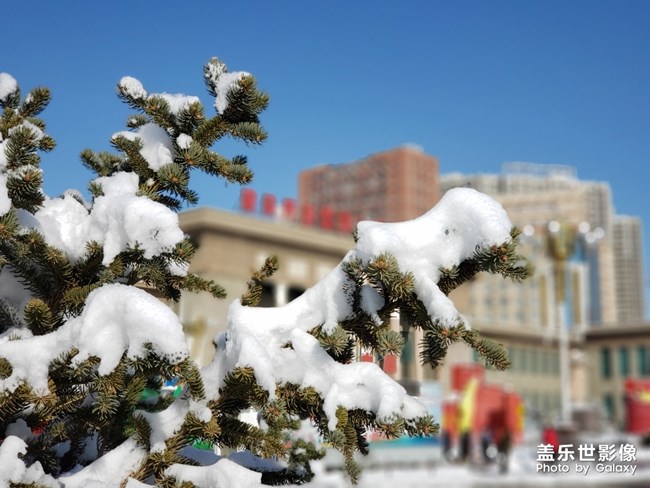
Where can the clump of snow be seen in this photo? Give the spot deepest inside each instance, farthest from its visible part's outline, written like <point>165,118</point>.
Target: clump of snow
<point>227,83</point>
<point>119,219</point>
<point>5,202</point>
<point>448,234</point>
<point>177,101</point>
<point>133,483</point>
<point>371,301</point>
<point>8,85</point>
<point>156,144</point>
<point>117,319</point>
<point>214,70</point>
<point>133,87</point>
<point>13,293</point>
<point>183,141</point>
<point>222,473</point>
<point>3,153</point>
<point>36,131</point>
<point>13,469</point>
<point>165,423</point>
<point>109,470</point>
<point>223,81</point>
<point>178,269</point>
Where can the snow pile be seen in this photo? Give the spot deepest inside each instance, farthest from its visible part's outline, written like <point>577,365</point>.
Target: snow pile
<point>168,422</point>
<point>117,319</point>
<point>36,131</point>
<point>224,473</point>
<point>223,81</point>
<point>8,85</point>
<point>183,141</point>
<point>157,147</point>
<point>156,144</point>
<point>446,235</point>
<point>109,470</point>
<point>176,101</point>
<point>275,341</point>
<point>133,87</point>
<point>5,203</point>
<point>118,220</point>
<point>13,469</point>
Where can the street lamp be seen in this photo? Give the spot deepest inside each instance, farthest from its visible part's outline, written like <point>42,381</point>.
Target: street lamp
<point>561,242</point>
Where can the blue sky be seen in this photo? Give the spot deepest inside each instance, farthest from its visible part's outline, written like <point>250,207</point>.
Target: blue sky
<point>475,83</point>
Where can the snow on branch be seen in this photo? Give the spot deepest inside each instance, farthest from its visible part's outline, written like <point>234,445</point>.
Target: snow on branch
<point>277,344</point>
<point>118,220</point>
<point>117,319</point>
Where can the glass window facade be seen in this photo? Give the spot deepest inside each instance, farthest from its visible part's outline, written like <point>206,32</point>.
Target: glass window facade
<point>605,363</point>
<point>642,360</point>
<point>624,362</point>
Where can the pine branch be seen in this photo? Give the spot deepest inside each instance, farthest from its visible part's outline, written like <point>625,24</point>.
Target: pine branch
<point>254,286</point>
<point>35,102</point>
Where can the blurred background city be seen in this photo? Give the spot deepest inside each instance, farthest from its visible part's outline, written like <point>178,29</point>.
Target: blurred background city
<point>477,87</point>
<point>575,331</point>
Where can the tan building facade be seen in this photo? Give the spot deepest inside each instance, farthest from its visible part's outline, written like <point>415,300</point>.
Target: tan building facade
<point>231,247</point>
<point>527,317</point>
<point>614,354</point>
<point>535,195</point>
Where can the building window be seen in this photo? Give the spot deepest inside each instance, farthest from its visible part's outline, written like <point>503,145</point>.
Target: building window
<point>642,361</point>
<point>608,405</point>
<point>268,295</point>
<point>545,368</point>
<point>475,356</point>
<point>295,292</point>
<point>623,362</point>
<point>534,367</point>
<point>512,354</point>
<point>605,363</point>
<point>555,363</point>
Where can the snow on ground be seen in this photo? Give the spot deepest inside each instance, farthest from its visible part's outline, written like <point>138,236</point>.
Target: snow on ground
<point>522,473</point>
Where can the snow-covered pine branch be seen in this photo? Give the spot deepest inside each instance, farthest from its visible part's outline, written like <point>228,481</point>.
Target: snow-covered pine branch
<point>80,343</point>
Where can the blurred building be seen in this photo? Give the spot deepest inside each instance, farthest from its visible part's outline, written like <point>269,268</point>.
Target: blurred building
<point>231,246</point>
<point>390,186</point>
<point>628,262</point>
<point>601,283</point>
<point>535,195</point>
<point>601,277</point>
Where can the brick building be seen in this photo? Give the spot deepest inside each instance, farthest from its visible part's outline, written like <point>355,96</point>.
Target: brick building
<point>390,186</point>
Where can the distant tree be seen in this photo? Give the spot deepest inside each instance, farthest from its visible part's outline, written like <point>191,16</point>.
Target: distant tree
<point>85,352</point>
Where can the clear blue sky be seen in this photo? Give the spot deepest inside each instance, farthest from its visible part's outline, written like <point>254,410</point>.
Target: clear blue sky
<point>475,83</point>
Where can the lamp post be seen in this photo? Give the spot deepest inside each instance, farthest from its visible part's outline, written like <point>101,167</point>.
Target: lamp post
<point>561,242</point>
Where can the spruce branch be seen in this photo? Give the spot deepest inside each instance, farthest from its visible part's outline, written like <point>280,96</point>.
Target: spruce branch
<point>254,286</point>
<point>35,102</point>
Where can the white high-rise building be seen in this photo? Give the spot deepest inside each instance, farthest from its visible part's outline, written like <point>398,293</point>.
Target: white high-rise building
<point>535,195</point>
<point>627,242</point>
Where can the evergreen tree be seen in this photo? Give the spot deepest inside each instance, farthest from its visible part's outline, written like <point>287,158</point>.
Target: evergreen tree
<point>81,343</point>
